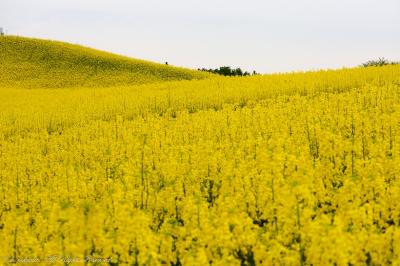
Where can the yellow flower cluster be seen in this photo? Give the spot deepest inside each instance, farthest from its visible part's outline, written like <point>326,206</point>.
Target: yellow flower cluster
<point>286,169</point>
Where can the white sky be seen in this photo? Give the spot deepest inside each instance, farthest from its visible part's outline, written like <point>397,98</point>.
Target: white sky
<point>267,36</point>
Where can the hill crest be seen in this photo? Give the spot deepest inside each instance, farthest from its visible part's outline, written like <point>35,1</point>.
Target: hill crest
<point>38,63</point>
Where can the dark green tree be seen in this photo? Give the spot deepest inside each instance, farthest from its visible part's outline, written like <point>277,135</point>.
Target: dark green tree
<point>228,71</point>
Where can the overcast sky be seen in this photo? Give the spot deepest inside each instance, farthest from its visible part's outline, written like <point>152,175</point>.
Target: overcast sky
<point>263,35</point>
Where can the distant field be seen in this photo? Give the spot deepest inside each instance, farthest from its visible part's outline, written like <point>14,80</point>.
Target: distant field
<point>286,169</point>
<point>36,63</point>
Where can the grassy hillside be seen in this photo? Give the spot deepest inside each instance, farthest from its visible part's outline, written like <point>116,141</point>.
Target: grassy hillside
<point>36,63</point>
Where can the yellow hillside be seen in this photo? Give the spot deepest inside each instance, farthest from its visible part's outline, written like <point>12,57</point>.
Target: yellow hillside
<point>36,63</point>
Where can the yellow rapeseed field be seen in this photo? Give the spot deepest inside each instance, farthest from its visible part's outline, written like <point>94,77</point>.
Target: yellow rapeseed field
<point>36,63</point>
<point>285,169</point>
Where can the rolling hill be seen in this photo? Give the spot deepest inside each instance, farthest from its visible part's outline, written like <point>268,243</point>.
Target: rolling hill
<point>283,169</point>
<point>37,63</point>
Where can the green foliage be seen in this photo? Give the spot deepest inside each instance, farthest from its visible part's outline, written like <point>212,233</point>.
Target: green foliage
<point>381,61</point>
<point>228,71</point>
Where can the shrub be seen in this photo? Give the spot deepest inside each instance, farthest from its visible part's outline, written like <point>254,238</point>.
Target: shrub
<point>381,61</point>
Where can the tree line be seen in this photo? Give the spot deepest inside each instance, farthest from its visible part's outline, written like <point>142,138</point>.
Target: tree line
<point>228,71</point>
